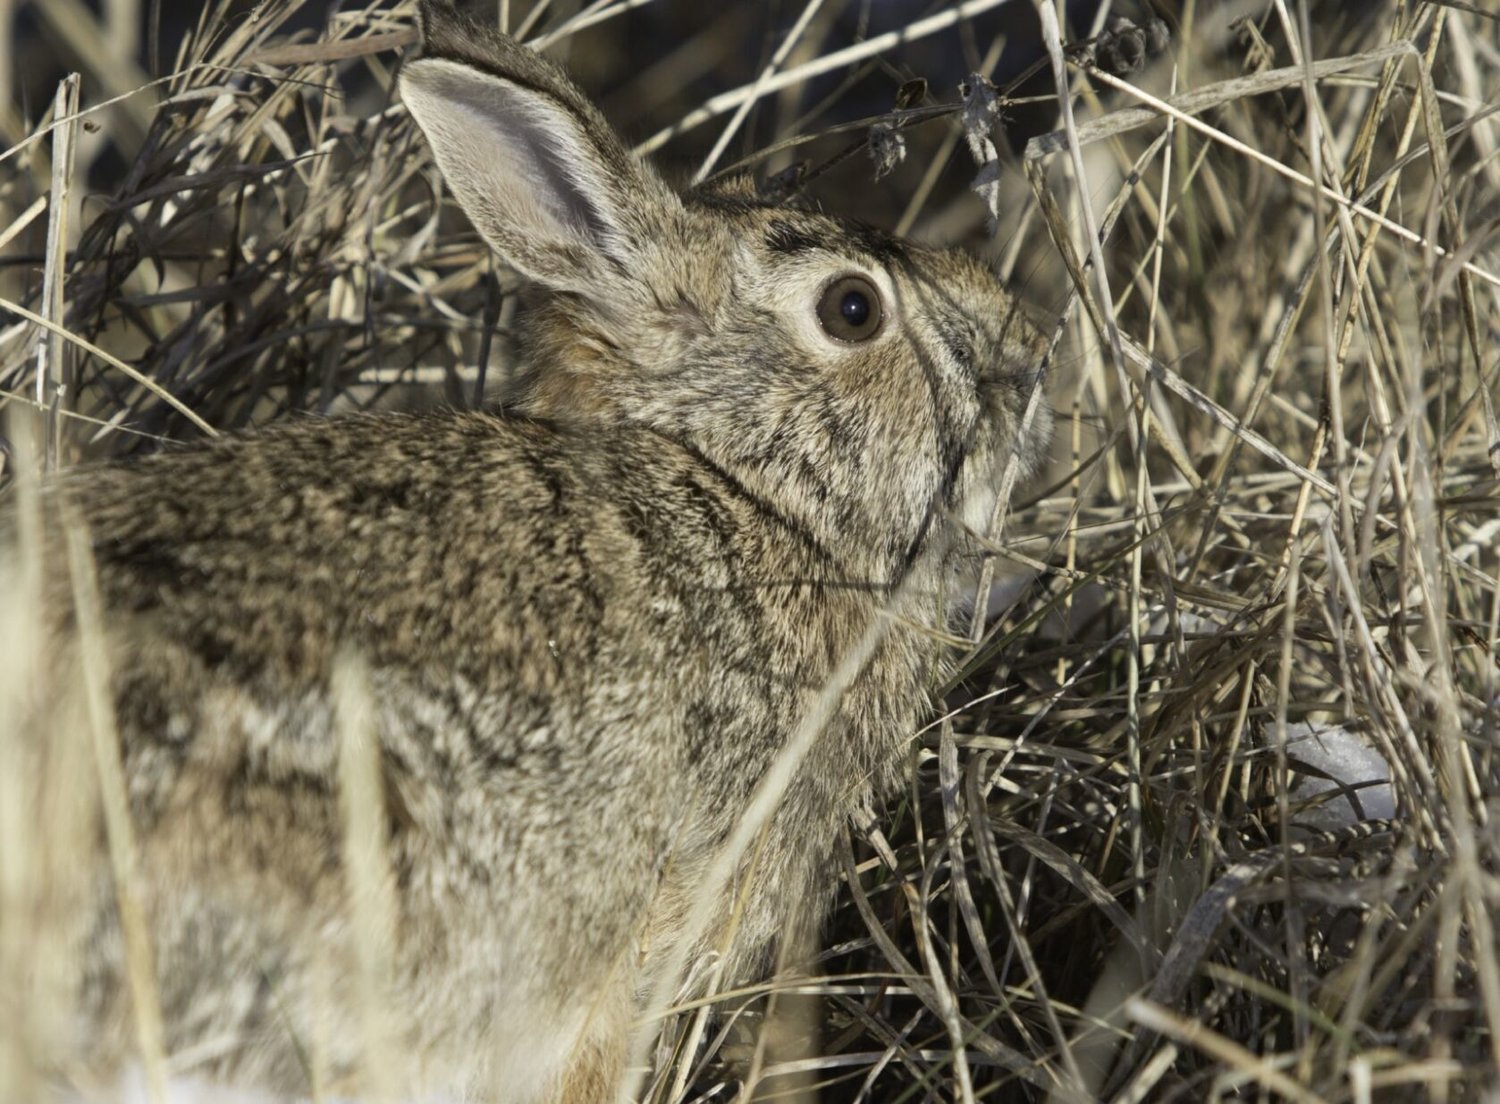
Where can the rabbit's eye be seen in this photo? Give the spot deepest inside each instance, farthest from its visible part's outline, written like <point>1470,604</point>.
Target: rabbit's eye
<point>850,309</point>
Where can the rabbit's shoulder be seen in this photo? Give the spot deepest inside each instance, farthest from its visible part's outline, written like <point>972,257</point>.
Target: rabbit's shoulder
<point>528,561</point>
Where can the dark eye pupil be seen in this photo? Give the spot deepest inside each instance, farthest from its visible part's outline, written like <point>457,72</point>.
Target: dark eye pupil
<point>849,309</point>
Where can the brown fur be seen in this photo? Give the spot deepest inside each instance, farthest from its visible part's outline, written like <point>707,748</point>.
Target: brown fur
<point>590,623</point>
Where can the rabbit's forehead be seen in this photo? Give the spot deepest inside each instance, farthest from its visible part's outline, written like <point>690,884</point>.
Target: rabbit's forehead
<point>826,243</point>
<point>790,234</point>
<point>805,273</point>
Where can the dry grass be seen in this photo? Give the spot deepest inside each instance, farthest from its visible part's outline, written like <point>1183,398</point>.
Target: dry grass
<point>1273,510</point>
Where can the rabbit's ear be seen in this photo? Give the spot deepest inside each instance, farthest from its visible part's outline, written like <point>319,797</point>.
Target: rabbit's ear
<point>533,163</point>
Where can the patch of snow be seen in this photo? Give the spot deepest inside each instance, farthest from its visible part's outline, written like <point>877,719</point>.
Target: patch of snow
<point>1343,759</point>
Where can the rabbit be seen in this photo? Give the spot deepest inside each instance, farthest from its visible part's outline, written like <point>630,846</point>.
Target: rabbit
<point>584,623</point>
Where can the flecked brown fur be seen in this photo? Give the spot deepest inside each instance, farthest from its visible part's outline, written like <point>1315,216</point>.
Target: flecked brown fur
<point>590,622</point>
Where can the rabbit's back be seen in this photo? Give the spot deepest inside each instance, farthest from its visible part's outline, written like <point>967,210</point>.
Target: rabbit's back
<point>558,633</point>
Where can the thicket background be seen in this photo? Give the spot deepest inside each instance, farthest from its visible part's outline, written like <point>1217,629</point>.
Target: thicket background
<point>1210,811</point>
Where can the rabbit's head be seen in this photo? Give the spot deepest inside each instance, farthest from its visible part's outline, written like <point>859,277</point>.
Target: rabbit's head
<point>868,387</point>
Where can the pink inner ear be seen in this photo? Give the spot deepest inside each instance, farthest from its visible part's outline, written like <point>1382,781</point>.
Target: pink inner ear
<point>542,155</point>
<point>517,160</point>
